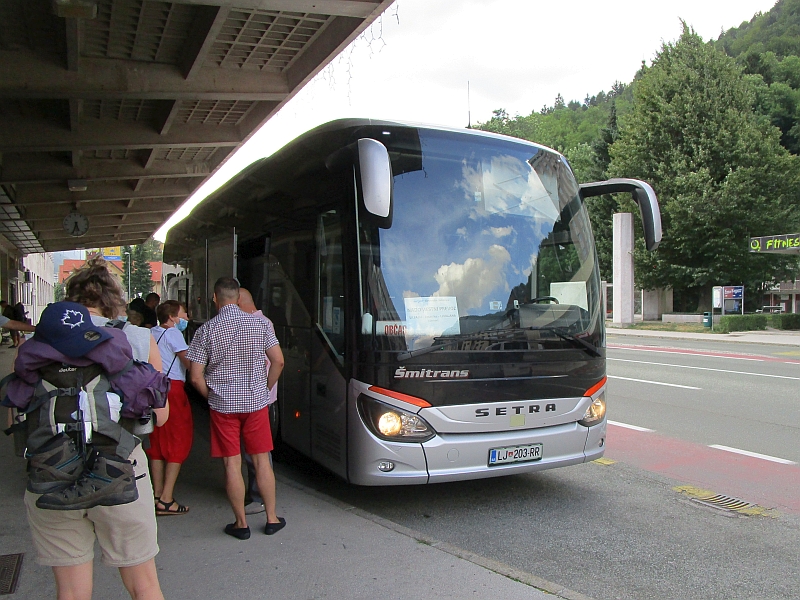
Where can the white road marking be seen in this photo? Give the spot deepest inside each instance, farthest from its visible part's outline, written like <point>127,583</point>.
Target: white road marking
<point>782,461</point>
<point>685,387</point>
<point>643,362</point>
<point>686,353</point>
<point>626,426</point>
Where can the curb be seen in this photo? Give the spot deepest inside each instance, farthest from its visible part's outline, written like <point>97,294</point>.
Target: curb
<point>503,569</point>
<point>736,337</point>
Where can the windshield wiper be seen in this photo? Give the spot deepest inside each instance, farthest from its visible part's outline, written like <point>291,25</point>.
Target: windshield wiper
<point>420,352</point>
<point>588,347</point>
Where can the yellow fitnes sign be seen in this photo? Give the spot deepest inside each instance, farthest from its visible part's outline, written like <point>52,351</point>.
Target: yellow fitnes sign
<point>781,244</point>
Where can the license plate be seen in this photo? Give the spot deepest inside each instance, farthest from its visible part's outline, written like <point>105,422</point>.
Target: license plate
<point>514,454</point>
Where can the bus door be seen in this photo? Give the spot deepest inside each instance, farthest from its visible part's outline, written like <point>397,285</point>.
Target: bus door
<point>274,271</point>
<point>328,385</point>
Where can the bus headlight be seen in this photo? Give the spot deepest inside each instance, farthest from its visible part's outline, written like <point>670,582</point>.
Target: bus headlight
<point>596,411</point>
<point>393,424</point>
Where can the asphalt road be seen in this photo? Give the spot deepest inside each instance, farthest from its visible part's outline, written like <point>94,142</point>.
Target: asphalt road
<point>697,496</point>
<point>711,393</point>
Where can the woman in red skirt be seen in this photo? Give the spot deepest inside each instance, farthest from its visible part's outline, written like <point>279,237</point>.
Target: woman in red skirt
<point>170,444</point>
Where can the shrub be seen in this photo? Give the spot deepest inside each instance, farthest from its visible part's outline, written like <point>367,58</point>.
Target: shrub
<point>784,321</point>
<point>730,323</point>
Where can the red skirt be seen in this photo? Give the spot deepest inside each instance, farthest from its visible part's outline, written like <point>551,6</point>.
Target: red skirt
<point>173,441</point>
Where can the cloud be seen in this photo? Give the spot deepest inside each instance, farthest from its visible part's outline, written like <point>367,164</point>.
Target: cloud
<point>473,280</point>
<point>500,232</point>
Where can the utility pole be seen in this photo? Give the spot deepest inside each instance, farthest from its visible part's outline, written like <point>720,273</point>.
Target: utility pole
<point>128,254</point>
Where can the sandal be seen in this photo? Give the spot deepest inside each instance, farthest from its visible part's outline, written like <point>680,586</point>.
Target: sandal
<point>163,508</point>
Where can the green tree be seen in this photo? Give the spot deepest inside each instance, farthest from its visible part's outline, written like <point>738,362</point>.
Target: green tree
<point>154,250</point>
<point>774,31</point>
<point>719,170</point>
<point>602,208</point>
<point>141,277</point>
<point>768,47</point>
<point>563,126</point>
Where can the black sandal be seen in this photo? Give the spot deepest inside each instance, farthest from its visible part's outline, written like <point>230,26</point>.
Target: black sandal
<point>164,509</point>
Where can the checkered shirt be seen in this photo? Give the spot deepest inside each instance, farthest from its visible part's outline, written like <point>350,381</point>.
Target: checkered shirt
<point>232,347</point>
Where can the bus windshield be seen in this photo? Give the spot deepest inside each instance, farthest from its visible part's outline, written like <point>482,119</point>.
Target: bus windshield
<point>490,242</point>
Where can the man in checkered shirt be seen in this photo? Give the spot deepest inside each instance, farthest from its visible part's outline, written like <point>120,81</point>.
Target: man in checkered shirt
<point>228,368</point>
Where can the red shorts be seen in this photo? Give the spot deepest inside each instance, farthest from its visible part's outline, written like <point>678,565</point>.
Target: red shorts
<point>173,441</point>
<point>227,430</point>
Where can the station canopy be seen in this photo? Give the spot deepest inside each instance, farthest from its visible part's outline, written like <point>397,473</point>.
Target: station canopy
<point>112,112</point>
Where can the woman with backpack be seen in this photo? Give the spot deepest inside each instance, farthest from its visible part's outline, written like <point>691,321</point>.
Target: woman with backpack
<point>127,532</point>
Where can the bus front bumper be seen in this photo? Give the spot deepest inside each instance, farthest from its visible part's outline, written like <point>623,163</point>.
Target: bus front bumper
<point>462,456</point>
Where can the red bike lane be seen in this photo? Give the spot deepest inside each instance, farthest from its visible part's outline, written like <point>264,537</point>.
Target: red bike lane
<point>752,480</point>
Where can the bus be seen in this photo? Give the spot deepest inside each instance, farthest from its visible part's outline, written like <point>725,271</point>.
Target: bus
<point>435,292</point>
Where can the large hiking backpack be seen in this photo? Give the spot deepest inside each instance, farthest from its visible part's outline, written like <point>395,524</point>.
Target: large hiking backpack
<point>79,430</point>
<point>77,445</point>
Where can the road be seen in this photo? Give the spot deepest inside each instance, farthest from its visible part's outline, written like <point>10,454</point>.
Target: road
<point>698,494</point>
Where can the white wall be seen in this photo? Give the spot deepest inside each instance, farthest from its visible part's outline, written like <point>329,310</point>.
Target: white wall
<point>37,293</point>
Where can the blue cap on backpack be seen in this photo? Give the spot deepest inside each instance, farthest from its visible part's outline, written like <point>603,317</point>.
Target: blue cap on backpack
<point>68,327</point>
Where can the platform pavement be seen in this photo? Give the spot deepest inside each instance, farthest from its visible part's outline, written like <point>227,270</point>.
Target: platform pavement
<point>327,550</point>
<point>772,336</point>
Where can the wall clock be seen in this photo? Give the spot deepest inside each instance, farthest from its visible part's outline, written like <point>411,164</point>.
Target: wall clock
<point>76,224</point>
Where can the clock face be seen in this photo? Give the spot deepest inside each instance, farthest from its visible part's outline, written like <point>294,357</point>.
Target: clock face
<point>76,224</point>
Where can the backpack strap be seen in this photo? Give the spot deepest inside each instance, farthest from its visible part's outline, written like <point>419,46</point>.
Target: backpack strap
<point>6,401</point>
<point>174,354</point>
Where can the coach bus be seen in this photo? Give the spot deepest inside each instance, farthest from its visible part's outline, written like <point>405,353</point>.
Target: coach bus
<point>435,292</point>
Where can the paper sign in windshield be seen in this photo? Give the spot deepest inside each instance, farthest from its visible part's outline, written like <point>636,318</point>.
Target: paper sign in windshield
<point>434,315</point>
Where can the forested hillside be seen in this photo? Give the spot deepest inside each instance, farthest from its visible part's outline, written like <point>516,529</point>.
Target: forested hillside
<point>715,128</point>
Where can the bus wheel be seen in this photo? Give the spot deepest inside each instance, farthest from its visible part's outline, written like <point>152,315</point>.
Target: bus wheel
<point>275,427</point>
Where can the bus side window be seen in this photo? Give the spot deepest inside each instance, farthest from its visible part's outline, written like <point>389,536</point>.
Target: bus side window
<point>330,309</point>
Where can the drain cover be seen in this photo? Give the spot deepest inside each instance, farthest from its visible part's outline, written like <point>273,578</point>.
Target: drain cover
<point>10,565</point>
<point>726,503</point>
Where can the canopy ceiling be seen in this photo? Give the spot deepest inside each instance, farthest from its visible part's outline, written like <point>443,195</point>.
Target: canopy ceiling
<point>120,116</point>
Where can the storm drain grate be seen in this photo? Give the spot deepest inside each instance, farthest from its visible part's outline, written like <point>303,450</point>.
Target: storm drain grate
<point>723,502</point>
<point>10,565</point>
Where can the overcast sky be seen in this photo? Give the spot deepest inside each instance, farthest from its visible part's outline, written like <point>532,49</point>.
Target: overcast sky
<point>414,63</point>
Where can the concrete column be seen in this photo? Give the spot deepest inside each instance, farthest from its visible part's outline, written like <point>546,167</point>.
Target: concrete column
<point>623,268</point>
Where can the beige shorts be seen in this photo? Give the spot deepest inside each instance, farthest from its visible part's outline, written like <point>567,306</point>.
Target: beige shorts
<point>126,533</point>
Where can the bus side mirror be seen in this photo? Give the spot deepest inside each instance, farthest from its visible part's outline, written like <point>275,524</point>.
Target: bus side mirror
<point>642,194</point>
<point>374,181</point>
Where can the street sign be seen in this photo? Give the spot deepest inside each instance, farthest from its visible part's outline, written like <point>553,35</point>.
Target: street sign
<point>733,292</point>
